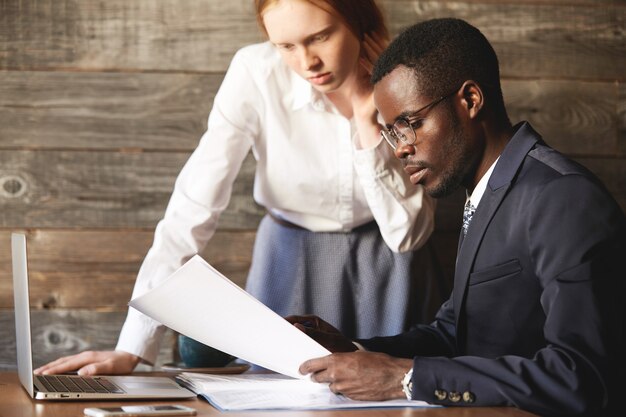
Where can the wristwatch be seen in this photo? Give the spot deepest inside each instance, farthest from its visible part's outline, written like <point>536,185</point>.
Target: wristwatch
<point>407,384</point>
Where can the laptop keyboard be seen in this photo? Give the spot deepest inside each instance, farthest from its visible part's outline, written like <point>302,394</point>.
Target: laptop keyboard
<point>64,383</point>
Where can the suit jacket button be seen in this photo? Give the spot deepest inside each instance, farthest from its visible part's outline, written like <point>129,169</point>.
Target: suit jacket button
<point>440,394</point>
<point>469,397</point>
<point>454,396</point>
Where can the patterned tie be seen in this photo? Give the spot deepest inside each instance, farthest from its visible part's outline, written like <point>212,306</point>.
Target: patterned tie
<point>468,212</point>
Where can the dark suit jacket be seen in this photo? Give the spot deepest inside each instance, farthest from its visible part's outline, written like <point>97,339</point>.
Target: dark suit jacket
<point>536,316</point>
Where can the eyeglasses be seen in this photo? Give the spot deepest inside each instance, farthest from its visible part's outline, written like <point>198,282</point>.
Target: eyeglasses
<point>403,128</point>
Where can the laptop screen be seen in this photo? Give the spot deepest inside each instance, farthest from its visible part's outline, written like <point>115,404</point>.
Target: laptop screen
<point>22,312</point>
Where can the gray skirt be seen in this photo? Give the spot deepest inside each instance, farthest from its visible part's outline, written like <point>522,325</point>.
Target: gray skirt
<point>351,280</point>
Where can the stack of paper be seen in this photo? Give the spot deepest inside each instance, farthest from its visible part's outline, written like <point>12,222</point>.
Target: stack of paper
<point>274,392</point>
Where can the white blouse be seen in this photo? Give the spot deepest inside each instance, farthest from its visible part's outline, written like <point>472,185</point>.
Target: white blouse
<point>308,172</point>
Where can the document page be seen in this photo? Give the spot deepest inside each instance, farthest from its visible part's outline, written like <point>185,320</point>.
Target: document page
<point>199,302</point>
<point>275,392</point>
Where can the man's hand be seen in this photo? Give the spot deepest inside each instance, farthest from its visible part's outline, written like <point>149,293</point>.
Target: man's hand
<point>323,333</point>
<point>92,363</point>
<point>360,375</point>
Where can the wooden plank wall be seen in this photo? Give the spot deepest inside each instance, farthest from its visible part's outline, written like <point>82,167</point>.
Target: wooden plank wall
<point>102,102</point>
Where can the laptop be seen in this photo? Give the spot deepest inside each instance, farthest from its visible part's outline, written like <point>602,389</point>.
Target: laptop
<point>72,387</point>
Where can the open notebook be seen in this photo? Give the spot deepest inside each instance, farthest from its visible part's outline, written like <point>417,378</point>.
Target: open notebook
<point>276,392</point>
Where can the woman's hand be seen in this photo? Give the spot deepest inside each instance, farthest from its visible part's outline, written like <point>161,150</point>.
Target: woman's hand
<point>364,111</point>
<point>92,363</point>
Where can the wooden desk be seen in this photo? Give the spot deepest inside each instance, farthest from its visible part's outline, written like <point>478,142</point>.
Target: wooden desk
<point>15,402</point>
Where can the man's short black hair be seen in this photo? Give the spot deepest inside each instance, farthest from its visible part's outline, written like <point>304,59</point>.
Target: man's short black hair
<point>443,53</point>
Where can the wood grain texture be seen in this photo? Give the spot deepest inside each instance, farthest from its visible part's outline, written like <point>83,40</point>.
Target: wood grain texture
<point>576,118</point>
<point>59,189</point>
<point>103,189</point>
<point>166,35</point>
<point>127,189</point>
<point>588,3</point>
<point>97,268</point>
<point>165,112</point>
<point>57,333</point>
<point>65,110</point>
<point>533,38</point>
<point>536,39</point>
<point>621,118</point>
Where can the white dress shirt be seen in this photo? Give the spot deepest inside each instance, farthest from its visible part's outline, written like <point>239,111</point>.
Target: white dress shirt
<point>479,190</point>
<point>308,172</point>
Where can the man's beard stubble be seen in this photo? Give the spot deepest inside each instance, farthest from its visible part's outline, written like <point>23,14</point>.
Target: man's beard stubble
<point>463,159</point>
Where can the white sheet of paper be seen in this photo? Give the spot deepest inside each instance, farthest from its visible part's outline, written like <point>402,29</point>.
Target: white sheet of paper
<point>276,392</point>
<point>201,303</point>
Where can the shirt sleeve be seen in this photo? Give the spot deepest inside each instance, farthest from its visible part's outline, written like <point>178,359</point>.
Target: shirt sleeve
<point>404,212</point>
<point>201,192</point>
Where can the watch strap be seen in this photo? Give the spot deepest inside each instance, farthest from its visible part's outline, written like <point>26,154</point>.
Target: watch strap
<point>407,384</point>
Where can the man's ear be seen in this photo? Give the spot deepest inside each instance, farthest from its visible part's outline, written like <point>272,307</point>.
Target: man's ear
<point>473,99</point>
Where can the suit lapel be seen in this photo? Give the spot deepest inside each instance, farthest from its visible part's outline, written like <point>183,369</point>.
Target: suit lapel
<point>499,183</point>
